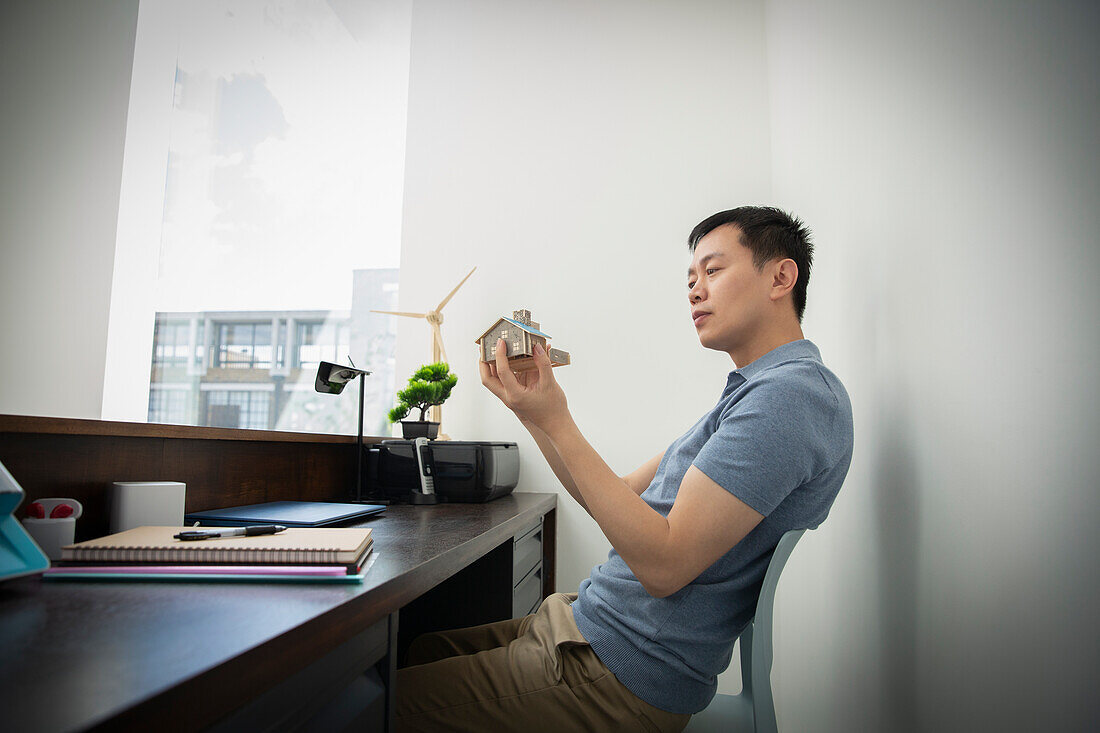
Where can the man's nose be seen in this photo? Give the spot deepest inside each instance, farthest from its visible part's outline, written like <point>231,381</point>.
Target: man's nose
<point>696,293</point>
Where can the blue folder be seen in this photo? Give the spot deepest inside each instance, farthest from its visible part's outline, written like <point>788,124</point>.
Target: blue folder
<point>19,555</point>
<point>287,513</point>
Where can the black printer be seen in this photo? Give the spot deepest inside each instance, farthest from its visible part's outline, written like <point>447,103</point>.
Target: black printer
<point>464,471</point>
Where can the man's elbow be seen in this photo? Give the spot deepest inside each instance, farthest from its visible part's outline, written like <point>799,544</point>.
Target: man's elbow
<point>662,585</point>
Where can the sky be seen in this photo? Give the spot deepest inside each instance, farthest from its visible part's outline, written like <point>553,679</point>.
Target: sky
<point>284,170</point>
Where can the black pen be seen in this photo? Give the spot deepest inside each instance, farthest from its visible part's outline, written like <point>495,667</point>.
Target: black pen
<point>209,534</point>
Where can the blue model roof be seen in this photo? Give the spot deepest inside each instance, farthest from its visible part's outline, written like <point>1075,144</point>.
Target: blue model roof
<point>527,328</point>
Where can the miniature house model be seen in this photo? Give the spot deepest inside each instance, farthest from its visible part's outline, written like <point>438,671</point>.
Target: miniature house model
<point>520,335</point>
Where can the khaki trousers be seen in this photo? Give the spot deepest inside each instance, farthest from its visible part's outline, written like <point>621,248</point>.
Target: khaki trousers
<point>531,675</point>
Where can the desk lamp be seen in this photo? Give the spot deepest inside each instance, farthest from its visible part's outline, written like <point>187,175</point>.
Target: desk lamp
<point>331,379</point>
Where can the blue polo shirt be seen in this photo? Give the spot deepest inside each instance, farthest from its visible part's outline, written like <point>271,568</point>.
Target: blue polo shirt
<point>780,440</point>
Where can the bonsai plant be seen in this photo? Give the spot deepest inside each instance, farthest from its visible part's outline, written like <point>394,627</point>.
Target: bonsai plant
<point>429,385</point>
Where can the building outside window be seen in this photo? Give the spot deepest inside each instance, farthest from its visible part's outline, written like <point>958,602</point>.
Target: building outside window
<point>249,382</point>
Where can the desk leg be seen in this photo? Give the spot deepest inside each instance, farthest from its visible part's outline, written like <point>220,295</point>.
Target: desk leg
<point>387,670</point>
<point>550,553</point>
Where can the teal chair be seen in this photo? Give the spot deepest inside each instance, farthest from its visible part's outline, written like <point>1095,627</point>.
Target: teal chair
<point>752,709</point>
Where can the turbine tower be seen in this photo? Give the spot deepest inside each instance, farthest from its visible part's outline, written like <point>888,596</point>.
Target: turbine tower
<point>434,318</point>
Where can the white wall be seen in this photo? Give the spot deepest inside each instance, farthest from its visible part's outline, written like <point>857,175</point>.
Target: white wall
<point>946,156</point>
<point>566,149</point>
<point>132,309</point>
<point>65,81</point>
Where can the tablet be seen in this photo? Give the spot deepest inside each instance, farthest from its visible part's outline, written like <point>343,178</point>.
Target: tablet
<point>287,513</point>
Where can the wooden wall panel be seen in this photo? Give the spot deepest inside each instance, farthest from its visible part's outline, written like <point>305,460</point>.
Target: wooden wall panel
<point>65,458</point>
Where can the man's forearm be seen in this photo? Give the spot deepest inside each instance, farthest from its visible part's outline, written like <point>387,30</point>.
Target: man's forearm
<point>640,534</point>
<point>557,465</point>
<point>634,529</point>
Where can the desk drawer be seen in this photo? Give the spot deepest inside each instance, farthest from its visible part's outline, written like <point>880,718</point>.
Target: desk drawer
<point>526,552</point>
<point>528,594</point>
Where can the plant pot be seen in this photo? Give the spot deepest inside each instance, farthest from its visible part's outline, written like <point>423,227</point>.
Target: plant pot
<point>419,429</point>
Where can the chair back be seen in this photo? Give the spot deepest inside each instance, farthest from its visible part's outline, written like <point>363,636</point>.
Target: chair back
<point>756,641</point>
<point>753,708</point>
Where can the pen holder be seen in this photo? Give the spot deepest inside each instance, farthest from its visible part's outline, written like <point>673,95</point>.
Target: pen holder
<point>53,534</point>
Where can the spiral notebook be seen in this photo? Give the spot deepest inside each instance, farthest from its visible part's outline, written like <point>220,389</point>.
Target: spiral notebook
<point>294,546</point>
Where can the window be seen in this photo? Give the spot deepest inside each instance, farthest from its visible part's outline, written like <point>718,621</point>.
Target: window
<point>170,404</point>
<point>243,346</point>
<point>171,344</point>
<point>281,152</point>
<point>319,342</point>
<point>238,409</point>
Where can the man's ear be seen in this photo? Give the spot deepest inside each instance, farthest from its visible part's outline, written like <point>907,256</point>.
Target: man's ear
<point>784,276</point>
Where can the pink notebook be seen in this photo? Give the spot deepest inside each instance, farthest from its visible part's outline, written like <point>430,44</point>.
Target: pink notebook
<point>204,574</point>
<point>202,570</point>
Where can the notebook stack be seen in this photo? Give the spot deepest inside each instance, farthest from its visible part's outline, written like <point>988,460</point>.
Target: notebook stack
<point>323,554</point>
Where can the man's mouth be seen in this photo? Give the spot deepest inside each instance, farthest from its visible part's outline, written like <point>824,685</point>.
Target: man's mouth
<point>699,317</point>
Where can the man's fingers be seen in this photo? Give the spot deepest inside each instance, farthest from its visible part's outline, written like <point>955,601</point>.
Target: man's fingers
<point>486,370</point>
<point>504,371</point>
<point>542,361</point>
<point>490,380</point>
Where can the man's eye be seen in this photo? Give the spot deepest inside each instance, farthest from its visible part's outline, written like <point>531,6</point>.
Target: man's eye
<point>712,270</point>
<point>691,284</point>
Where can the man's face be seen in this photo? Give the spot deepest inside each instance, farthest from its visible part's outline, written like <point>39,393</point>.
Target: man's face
<point>729,297</point>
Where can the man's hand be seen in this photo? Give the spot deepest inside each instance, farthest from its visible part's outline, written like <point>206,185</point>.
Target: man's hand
<point>534,395</point>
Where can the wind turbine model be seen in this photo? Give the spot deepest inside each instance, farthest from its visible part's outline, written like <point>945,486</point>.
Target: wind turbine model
<point>435,318</point>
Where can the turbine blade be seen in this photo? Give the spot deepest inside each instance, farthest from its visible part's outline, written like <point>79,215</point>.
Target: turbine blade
<point>396,313</point>
<point>451,294</point>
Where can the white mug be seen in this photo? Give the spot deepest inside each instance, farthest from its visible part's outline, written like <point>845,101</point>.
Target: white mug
<point>53,534</point>
<point>141,503</point>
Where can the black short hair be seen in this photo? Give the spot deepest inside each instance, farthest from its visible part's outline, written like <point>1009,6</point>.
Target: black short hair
<point>771,234</point>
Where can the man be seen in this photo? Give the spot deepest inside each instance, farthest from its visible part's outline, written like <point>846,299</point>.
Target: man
<point>640,644</point>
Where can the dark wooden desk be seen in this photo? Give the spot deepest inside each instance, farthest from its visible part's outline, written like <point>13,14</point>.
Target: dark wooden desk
<point>190,656</point>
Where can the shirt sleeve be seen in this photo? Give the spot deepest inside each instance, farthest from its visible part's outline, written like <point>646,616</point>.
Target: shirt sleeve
<point>770,441</point>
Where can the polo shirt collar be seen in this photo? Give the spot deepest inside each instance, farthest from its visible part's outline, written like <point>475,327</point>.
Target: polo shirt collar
<point>801,349</point>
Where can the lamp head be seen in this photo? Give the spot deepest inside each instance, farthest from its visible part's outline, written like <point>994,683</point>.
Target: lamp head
<point>332,378</point>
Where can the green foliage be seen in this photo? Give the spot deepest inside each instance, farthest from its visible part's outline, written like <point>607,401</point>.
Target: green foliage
<point>432,372</point>
<point>398,413</point>
<point>429,385</point>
